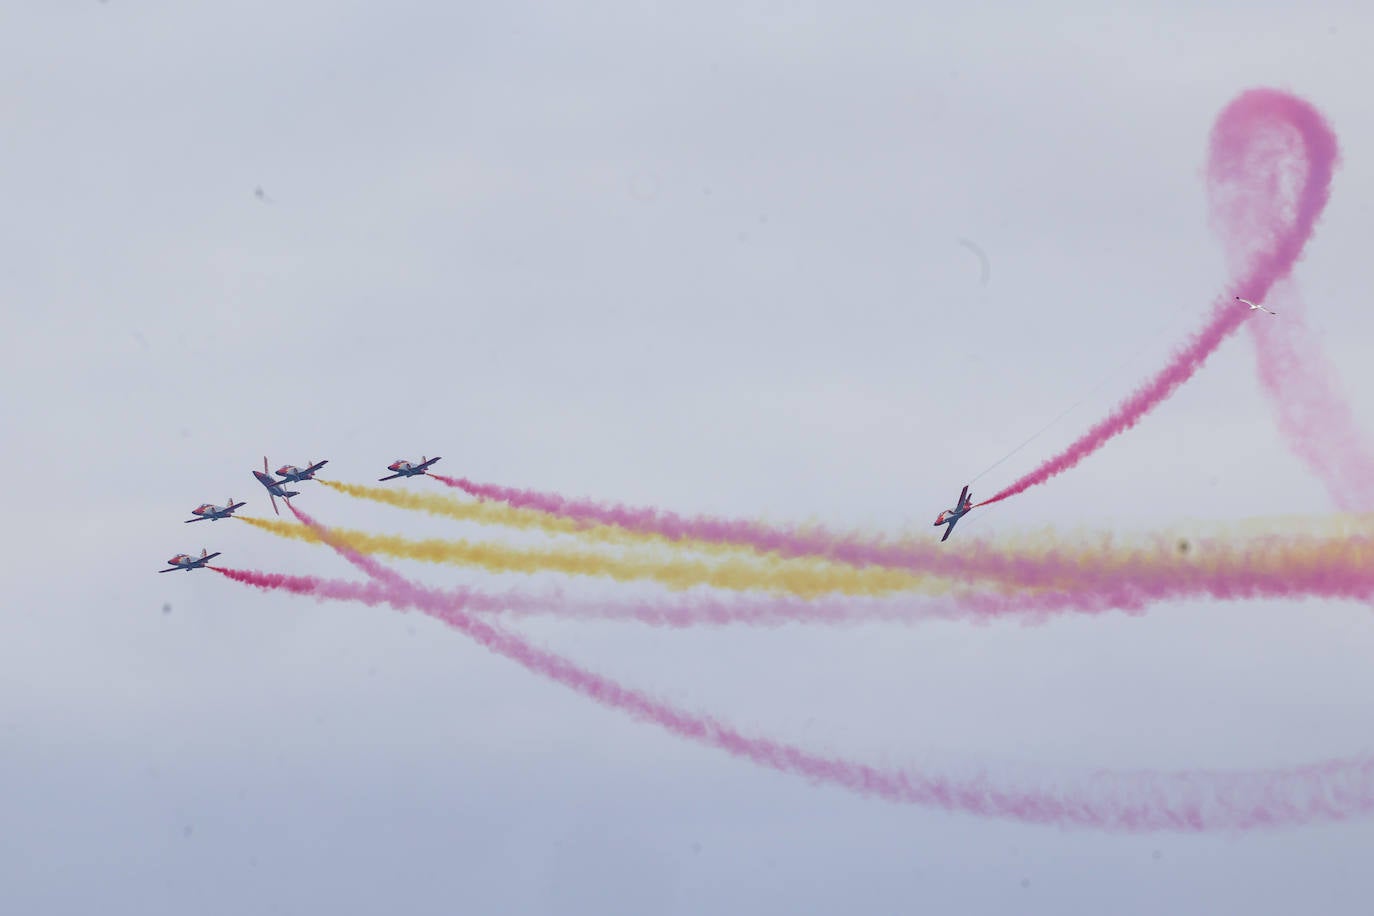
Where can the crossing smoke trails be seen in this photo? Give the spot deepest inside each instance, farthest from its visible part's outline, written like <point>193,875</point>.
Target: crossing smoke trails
<point>804,579</point>
<point>1269,173</point>
<point>1126,801</point>
<point>1088,582</point>
<point>1330,566</point>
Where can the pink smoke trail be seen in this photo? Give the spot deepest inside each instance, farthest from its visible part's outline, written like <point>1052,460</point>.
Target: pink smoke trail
<point>1271,162</point>
<point>1128,801</point>
<point>1314,419</point>
<point>1095,573</point>
<point>1271,567</point>
<point>1271,575</point>
<point>672,613</point>
<point>1245,192</point>
<point>1276,220</point>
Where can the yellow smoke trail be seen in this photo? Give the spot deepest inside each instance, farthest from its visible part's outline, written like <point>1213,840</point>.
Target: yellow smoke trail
<point>806,579</point>
<point>1206,545</point>
<point>496,513</point>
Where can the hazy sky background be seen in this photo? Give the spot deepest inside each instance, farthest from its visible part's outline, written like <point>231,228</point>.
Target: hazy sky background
<point>705,257</point>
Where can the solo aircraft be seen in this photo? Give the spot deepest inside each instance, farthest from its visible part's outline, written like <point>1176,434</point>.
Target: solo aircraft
<point>951,517</point>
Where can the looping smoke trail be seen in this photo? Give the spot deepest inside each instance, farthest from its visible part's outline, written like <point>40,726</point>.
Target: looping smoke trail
<point>1313,418</point>
<point>1280,129</point>
<point>1271,162</point>
<point>1127,801</point>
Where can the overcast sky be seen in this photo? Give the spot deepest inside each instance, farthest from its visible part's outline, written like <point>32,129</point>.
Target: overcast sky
<point>706,257</point>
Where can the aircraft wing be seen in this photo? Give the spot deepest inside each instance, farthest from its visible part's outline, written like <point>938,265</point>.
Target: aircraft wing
<point>173,569</point>
<point>426,464</point>
<point>392,477</point>
<point>963,496</point>
<point>199,519</point>
<point>949,530</point>
<point>265,479</point>
<point>316,466</point>
<point>208,557</point>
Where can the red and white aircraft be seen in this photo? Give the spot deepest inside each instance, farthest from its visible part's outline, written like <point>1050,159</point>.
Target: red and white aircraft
<point>209,512</point>
<point>951,517</point>
<point>403,468</point>
<point>188,562</point>
<point>274,487</point>
<point>289,473</point>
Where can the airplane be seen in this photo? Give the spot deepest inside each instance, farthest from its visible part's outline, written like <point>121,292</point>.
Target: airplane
<point>1256,305</point>
<point>187,562</point>
<point>951,517</point>
<point>213,513</point>
<point>289,473</point>
<point>404,468</point>
<point>275,488</point>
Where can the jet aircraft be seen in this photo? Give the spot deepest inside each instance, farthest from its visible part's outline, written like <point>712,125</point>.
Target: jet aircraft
<point>403,468</point>
<point>213,513</point>
<point>289,473</point>
<point>188,562</point>
<point>951,517</point>
<point>274,487</point>
<point>1256,305</point>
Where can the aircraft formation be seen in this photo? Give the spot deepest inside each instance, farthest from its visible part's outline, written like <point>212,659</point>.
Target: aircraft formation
<point>768,573</point>
<point>400,468</point>
<point>275,487</point>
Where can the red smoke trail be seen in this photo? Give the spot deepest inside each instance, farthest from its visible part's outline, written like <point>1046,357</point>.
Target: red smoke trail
<point>1289,138</point>
<point>1132,801</point>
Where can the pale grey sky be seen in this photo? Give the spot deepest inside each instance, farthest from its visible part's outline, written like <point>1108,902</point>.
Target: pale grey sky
<point>703,257</point>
